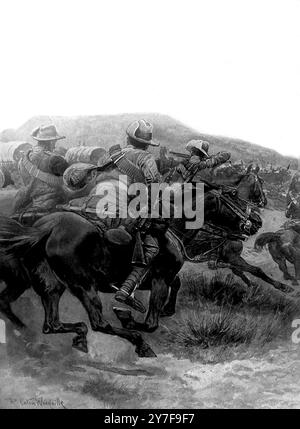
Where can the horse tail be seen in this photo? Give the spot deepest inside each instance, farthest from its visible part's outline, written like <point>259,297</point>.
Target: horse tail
<point>265,238</point>
<point>17,241</point>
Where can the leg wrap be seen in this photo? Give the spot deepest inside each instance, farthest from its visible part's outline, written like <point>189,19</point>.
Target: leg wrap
<point>151,249</point>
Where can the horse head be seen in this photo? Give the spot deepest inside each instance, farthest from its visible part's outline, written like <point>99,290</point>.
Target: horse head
<point>250,187</point>
<point>227,211</point>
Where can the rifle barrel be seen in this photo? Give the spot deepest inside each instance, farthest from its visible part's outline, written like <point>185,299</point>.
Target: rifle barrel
<point>182,155</point>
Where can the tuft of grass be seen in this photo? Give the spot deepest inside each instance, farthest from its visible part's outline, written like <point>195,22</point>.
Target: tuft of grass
<point>218,317</point>
<point>210,326</point>
<point>225,290</point>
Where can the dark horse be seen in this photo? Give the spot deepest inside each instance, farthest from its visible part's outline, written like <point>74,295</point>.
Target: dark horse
<point>249,185</point>
<point>66,251</point>
<point>220,247</point>
<point>283,245</point>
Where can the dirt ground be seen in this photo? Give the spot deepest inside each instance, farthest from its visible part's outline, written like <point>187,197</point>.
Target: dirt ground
<point>112,376</point>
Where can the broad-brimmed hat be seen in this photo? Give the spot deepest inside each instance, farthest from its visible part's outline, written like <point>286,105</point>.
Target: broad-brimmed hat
<point>142,132</point>
<point>46,133</point>
<point>201,145</point>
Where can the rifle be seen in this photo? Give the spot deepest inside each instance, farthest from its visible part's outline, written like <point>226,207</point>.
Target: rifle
<point>181,155</point>
<point>100,168</point>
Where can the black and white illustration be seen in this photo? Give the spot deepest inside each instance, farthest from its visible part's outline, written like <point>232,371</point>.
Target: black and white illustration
<point>149,204</point>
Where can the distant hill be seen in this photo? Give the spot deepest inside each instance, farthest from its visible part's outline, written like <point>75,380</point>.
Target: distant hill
<point>107,130</point>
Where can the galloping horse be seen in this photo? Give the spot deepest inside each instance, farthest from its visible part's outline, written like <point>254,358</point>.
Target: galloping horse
<point>66,251</point>
<point>283,245</point>
<point>293,198</point>
<point>249,186</point>
<point>220,246</point>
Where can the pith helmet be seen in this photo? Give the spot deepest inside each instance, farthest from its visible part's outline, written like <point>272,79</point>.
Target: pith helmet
<point>142,132</point>
<point>46,133</point>
<point>201,145</point>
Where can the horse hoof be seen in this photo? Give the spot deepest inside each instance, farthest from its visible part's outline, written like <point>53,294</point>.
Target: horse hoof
<point>80,344</point>
<point>125,317</point>
<point>285,288</point>
<point>81,347</point>
<point>150,328</point>
<point>145,351</point>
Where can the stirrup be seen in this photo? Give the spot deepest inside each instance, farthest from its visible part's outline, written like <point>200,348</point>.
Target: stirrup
<point>129,300</point>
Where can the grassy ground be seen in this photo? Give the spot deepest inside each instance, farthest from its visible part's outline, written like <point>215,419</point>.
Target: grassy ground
<point>219,318</point>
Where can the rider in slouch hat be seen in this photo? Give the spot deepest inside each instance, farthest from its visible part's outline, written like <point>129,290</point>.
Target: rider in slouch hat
<point>41,171</point>
<point>139,165</point>
<point>198,160</point>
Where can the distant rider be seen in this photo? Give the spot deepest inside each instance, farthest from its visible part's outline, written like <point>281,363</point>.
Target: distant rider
<point>293,198</point>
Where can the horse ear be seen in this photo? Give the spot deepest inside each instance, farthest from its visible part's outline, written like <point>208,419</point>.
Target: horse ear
<point>257,169</point>
<point>249,168</point>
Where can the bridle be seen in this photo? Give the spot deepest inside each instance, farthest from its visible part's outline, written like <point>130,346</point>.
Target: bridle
<point>258,184</point>
<point>245,222</point>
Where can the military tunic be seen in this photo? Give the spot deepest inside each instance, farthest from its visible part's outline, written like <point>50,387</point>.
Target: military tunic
<point>41,195</point>
<point>187,169</point>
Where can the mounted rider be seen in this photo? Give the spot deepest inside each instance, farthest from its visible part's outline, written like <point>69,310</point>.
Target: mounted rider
<point>198,161</point>
<point>293,198</point>
<point>135,163</point>
<point>139,138</point>
<point>42,173</point>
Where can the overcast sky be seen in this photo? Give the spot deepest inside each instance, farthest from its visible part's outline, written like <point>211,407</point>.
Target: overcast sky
<point>229,67</point>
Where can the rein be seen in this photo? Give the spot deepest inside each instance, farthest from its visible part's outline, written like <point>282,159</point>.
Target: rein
<point>233,207</point>
<point>184,252</point>
<point>198,258</point>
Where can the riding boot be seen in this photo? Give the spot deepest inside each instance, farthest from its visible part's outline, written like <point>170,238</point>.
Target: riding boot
<point>124,294</point>
<point>137,275</point>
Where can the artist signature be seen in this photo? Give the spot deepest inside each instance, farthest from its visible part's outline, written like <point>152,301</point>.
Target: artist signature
<point>37,402</point>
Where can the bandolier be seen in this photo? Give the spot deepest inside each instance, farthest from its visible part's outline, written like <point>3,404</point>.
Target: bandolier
<point>137,165</point>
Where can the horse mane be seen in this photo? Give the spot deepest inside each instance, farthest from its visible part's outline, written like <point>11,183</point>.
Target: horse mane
<point>241,177</point>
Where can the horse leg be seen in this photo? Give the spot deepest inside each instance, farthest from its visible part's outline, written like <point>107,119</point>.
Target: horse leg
<point>297,265</point>
<point>10,294</point>
<point>170,306</point>
<point>240,274</point>
<point>166,277</point>
<point>52,324</point>
<point>92,304</point>
<point>50,289</point>
<point>241,264</point>
<point>280,259</point>
<point>158,296</point>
